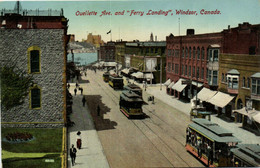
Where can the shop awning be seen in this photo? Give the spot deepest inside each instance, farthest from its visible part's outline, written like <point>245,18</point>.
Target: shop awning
<point>178,86</point>
<point>149,76</point>
<point>195,84</point>
<point>221,99</point>
<point>168,82</point>
<point>137,74</point>
<point>171,85</point>
<point>205,94</point>
<point>256,117</point>
<point>126,71</point>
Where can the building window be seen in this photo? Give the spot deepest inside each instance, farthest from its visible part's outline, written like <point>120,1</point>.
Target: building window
<point>169,67</point>
<point>209,77</point>
<point>232,81</point>
<point>177,53</point>
<point>194,53</point>
<point>169,52</point>
<point>202,53</point>
<point>252,50</point>
<point>248,82</point>
<point>189,70</point>
<point>172,67</point>
<point>182,53</point>
<point>172,53</point>
<point>244,82</point>
<point>176,68</point>
<point>34,59</point>
<point>182,69</point>
<point>186,52</point>
<point>222,77</point>
<point>35,97</point>
<point>198,53</point>
<point>198,73</point>
<point>193,71</point>
<point>185,70</point>
<point>255,86</point>
<point>189,52</point>
<point>215,78</point>
<point>156,50</point>
<point>213,54</point>
<point>202,73</point>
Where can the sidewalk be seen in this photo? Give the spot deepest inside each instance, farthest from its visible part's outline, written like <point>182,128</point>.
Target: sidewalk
<point>91,155</point>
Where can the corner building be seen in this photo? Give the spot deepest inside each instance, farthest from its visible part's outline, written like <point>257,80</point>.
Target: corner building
<point>37,45</point>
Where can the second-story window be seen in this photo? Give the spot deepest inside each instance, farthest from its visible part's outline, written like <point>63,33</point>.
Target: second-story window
<point>34,59</point>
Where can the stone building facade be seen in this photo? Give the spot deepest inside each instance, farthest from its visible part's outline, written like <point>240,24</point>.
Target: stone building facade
<point>45,106</point>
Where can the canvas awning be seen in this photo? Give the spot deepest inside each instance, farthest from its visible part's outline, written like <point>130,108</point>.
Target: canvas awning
<point>179,86</point>
<point>126,71</point>
<point>205,94</point>
<point>220,99</point>
<point>256,117</point>
<point>168,82</point>
<point>195,84</point>
<point>171,85</point>
<point>137,74</point>
<point>149,76</point>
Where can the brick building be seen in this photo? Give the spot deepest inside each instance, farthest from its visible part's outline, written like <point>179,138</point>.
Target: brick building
<point>37,45</point>
<point>107,52</point>
<point>192,57</point>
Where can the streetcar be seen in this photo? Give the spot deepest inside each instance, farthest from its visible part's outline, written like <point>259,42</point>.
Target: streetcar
<point>131,104</point>
<point>106,77</point>
<point>210,143</point>
<point>116,81</point>
<point>134,88</point>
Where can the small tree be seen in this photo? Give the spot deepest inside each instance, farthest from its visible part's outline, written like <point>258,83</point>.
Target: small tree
<point>14,86</point>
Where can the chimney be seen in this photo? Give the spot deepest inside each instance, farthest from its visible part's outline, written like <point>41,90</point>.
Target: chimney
<point>228,27</point>
<point>190,32</point>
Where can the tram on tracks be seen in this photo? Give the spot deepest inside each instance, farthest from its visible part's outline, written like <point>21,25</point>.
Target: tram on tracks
<point>131,104</point>
<point>134,88</point>
<point>116,81</point>
<point>210,143</point>
<point>106,77</point>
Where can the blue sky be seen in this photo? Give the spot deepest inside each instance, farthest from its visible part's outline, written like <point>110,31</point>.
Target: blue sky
<point>129,28</point>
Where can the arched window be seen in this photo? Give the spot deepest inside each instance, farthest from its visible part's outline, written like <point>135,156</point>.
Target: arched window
<point>34,59</point>
<point>35,97</point>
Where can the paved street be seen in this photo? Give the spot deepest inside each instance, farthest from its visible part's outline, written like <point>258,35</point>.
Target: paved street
<point>157,141</point>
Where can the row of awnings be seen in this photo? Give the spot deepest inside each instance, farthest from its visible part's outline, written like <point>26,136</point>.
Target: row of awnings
<point>179,86</point>
<point>216,98</point>
<point>141,75</point>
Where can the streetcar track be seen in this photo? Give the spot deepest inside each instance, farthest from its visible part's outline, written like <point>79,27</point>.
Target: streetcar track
<point>115,99</point>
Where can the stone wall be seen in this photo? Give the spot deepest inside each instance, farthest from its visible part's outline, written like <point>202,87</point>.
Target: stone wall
<point>13,46</point>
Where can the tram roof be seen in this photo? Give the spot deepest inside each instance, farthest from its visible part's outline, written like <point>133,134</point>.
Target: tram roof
<point>249,153</point>
<point>213,131</point>
<point>131,96</point>
<point>132,87</point>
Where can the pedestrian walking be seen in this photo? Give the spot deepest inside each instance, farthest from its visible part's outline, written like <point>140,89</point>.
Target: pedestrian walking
<point>79,141</point>
<point>73,152</point>
<point>85,73</point>
<point>68,86</point>
<point>81,90</point>
<point>98,110</point>
<point>77,85</point>
<point>83,101</point>
<point>75,91</point>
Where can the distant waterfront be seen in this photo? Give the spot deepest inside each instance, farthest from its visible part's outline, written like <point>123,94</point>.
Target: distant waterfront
<point>83,58</point>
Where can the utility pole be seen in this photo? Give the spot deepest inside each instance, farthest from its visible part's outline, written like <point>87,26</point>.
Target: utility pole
<point>161,72</point>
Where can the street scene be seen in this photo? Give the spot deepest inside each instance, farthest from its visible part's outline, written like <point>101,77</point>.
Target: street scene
<point>111,84</point>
